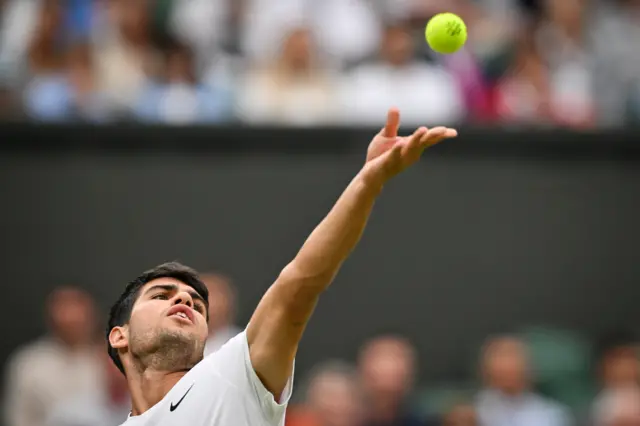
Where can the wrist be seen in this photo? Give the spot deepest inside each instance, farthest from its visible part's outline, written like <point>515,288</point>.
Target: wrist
<point>371,180</point>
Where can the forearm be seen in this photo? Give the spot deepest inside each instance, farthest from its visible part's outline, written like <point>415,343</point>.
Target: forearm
<point>280,319</point>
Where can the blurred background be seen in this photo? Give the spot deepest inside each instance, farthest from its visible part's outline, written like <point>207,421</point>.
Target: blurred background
<point>572,63</point>
<point>497,284</point>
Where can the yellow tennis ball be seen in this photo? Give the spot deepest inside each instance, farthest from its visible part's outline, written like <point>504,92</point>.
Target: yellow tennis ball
<point>446,33</point>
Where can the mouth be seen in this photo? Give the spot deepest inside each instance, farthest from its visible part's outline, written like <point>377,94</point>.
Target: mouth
<point>181,312</point>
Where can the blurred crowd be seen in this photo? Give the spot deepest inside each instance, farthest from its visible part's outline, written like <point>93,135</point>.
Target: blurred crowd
<point>569,63</point>
<point>537,377</point>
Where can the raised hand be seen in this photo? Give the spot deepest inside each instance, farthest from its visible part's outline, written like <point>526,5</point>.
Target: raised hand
<point>389,154</point>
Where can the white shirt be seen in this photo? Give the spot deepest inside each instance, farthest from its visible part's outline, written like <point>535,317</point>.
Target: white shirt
<point>496,409</point>
<point>222,390</point>
<point>44,374</point>
<point>90,409</point>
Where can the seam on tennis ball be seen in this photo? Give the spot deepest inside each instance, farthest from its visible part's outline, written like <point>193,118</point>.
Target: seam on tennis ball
<point>453,28</point>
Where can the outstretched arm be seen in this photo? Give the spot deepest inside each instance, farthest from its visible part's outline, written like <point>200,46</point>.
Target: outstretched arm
<point>280,319</point>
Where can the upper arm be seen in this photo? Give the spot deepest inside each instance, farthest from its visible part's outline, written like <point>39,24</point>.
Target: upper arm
<point>277,325</point>
<point>17,392</point>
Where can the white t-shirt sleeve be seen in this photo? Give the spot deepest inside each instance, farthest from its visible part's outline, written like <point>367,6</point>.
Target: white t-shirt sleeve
<point>233,363</point>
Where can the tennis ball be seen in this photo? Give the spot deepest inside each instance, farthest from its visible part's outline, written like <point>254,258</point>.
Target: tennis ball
<point>446,33</point>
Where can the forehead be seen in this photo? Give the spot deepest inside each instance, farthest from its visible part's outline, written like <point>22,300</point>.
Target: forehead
<point>388,348</point>
<point>507,347</point>
<point>164,281</point>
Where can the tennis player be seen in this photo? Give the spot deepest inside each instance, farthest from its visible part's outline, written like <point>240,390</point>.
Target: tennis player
<point>158,327</point>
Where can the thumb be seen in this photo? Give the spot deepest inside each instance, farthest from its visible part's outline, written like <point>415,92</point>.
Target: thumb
<point>390,129</point>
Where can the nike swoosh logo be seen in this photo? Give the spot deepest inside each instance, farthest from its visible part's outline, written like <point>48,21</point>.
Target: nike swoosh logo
<point>173,406</point>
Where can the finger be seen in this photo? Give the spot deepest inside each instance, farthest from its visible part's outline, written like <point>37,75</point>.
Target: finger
<point>414,140</point>
<point>437,135</point>
<point>434,133</point>
<point>390,129</point>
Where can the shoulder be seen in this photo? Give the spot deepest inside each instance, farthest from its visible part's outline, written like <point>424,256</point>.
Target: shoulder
<point>554,410</point>
<point>545,402</point>
<point>82,407</point>
<point>32,352</point>
<point>232,364</point>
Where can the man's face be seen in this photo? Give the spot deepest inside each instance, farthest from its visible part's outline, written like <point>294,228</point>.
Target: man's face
<point>71,315</point>
<point>397,46</point>
<point>168,327</point>
<point>621,368</point>
<point>336,399</point>
<point>387,369</point>
<point>507,366</point>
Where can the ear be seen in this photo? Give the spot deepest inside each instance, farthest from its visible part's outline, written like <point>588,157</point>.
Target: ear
<point>119,337</point>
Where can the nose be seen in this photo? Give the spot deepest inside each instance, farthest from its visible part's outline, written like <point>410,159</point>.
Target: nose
<point>184,298</point>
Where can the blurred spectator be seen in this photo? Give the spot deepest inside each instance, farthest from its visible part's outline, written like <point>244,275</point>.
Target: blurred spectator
<point>572,63</point>
<point>47,92</point>
<point>387,367</point>
<point>333,398</point>
<point>347,31</point>
<point>222,307</point>
<point>18,21</point>
<point>124,53</point>
<point>551,78</point>
<point>108,405</point>
<point>507,399</point>
<point>563,41</point>
<point>71,93</point>
<point>295,90</point>
<point>202,24</point>
<point>62,86</point>
<point>618,366</point>
<point>523,94</point>
<point>461,415</point>
<point>424,93</point>
<point>86,101</point>
<point>265,24</point>
<point>615,33</point>
<point>618,361</point>
<point>56,367</point>
<point>619,408</point>
<point>178,97</point>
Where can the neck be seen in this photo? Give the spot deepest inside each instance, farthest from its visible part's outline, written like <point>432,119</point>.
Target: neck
<point>385,411</point>
<point>510,392</point>
<point>71,345</point>
<point>147,388</point>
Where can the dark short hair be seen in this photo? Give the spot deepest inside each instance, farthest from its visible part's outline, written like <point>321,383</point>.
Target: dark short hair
<point>613,340</point>
<point>120,312</point>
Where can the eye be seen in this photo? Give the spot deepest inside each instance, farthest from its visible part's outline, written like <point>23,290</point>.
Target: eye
<point>160,296</point>
<point>199,307</point>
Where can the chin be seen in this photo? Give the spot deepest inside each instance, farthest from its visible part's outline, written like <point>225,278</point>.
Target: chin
<point>183,333</point>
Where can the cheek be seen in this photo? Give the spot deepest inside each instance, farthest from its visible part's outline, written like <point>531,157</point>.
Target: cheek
<point>203,329</point>
<point>142,319</point>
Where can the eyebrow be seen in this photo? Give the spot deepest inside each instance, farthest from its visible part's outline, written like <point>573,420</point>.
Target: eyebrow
<point>172,288</point>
